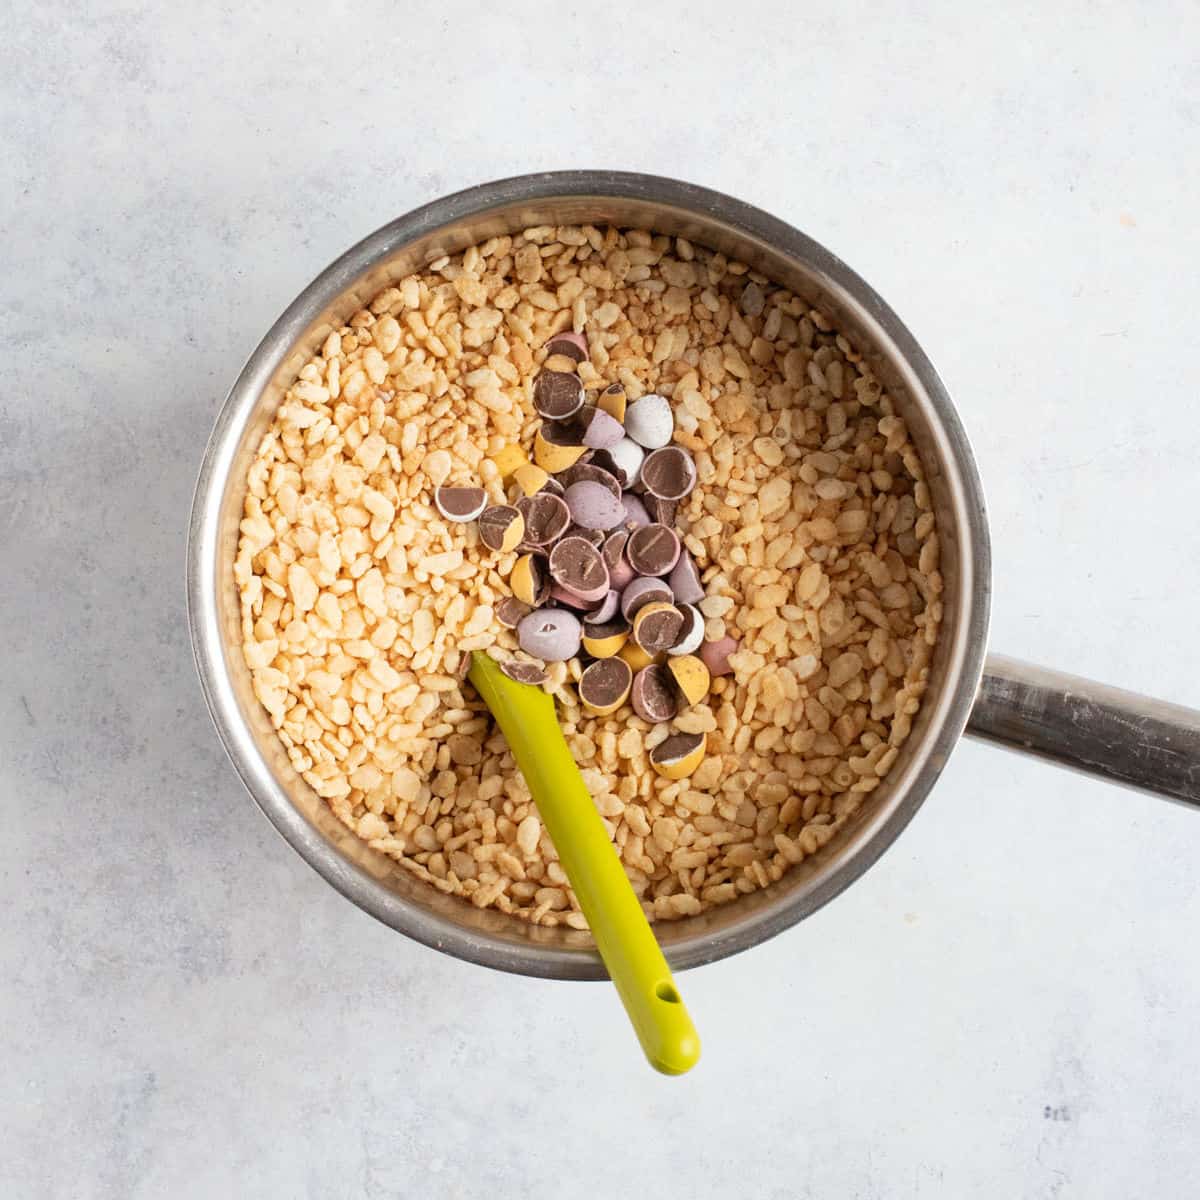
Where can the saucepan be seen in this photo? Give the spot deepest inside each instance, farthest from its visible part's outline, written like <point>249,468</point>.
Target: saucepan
<point>1100,730</point>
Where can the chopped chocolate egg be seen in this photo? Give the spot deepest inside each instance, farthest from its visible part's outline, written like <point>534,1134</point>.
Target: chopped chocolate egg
<point>600,430</point>
<point>620,573</point>
<point>685,580</point>
<point>523,672</point>
<point>529,581</point>
<point>635,512</point>
<point>561,595</point>
<point>612,400</point>
<point>604,639</point>
<point>603,460</point>
<point>605,685</point>
<point>636,657</point>
<point>643,590</point>
<point>678,756</point>
<point>653,549</point>
<point>557,395</point>
<point>578,567</point>
<point>501,527</point>
<point>715,655</point>
<point>669,473</point>
<point>573,345</point>
<point>551,634</point>
<point>595,536</point>
<point>691,677</point>
<point>653,694</point>
<point>608,607</point>
<point>656,626</point>
<point>691,633</point>
<point>662,511</point>
<point>460,504</point>
<point>530,478</point>
<point>628,455</point>
<point>553,451</point>
<point>552,486</point>
<point>510,610</point>
<point>592,473</point>
<point>649,421</point>
<point>593,506</point>
<point>546,518</point>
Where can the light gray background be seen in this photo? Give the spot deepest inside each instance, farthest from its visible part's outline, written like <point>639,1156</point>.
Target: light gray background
<point>1004,1007</point>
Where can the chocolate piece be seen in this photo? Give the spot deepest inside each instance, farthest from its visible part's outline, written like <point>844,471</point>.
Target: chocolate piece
<point>603,460</point>
<point>653,694</point>
<point>590,472</point>
<point>685,580</point>
<point>573,345</point>
<point>669,473</point>
<point>546,518</point>
<point>662,511</point>
<point>460,504</point>
<point>593,505</point>
<point>653,549</point>
<point>620,573</point>
<point>629,456</point>
<point>649,421</point>
<point>577,566</point>
<point>715,656</point>
<point>557,395</point>
<point>529,581</point>
<point>595,536</point>
<point>678,755</point>
<point>635,512</point>
<point>612,400</point>
<point>553,487</point>
<point>501,527</point>
<point>656,626</point>
<point>643,590</point>
<point>551,634</point>
<point>604,686</point>
<point>600,430</point>
<point>608,608</point>
<point>604,629</point>
<point>524,672</point>
<point>691,633</point>
<point>571,599</point>
<point>510,610</point>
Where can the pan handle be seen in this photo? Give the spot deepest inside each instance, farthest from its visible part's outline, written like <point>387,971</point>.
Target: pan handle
<point>1090,727</point>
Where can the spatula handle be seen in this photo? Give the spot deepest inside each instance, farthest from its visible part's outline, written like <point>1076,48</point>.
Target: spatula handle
<point>623,935</point>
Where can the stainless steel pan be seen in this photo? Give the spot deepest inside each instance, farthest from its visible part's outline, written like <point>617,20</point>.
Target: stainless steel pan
<point>1097,729</point>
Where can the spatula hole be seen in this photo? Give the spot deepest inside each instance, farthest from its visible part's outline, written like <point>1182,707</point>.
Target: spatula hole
<point>666,991</point>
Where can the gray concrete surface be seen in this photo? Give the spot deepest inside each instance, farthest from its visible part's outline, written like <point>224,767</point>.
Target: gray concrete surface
<point>1004,1007</point>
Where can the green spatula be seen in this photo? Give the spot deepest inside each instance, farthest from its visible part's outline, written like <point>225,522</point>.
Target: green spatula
<point>527,719</point>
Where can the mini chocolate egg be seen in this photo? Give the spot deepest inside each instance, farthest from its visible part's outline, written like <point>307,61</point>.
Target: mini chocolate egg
<point>578,567</point>
<point>653,549</point>
<point>678,756</point>
<point>685,580</point>
<point>607,609</point>
<point>551,634</point>
<point>669,473</point>
<point>460,504</point>
<point>635,512</point>
<point>546,518</point>
<point>612,400</point>
<point>691,633</point>
<point>510,610</point>
<point>620,573</point>
<point>554,456</point>
<point>660,510</point>
<point>557,395</point>
<point>715,656</point>
<point>501,528</point>
<point>530,478</point>
<point>635,656</point>
<point>590,471</point>
<point>656,626</point>
<point>604,639</point>
<point>593,506</point>
<point>644,590</point>
<point>604,686</point>
<point>600,430</point>
<point>573,345</point>
<point>653,694</point>
<point>649,421</point>
<point>628,455</point>
<point>529,581</point>
<point>523,672</point>
<point>691,677</point>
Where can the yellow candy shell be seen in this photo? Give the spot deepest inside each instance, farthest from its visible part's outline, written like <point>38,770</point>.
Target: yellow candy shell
<point>691,677</point>
<point>681,768</point>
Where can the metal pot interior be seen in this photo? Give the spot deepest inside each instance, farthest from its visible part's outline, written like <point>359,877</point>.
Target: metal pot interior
<point>372,880</point>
